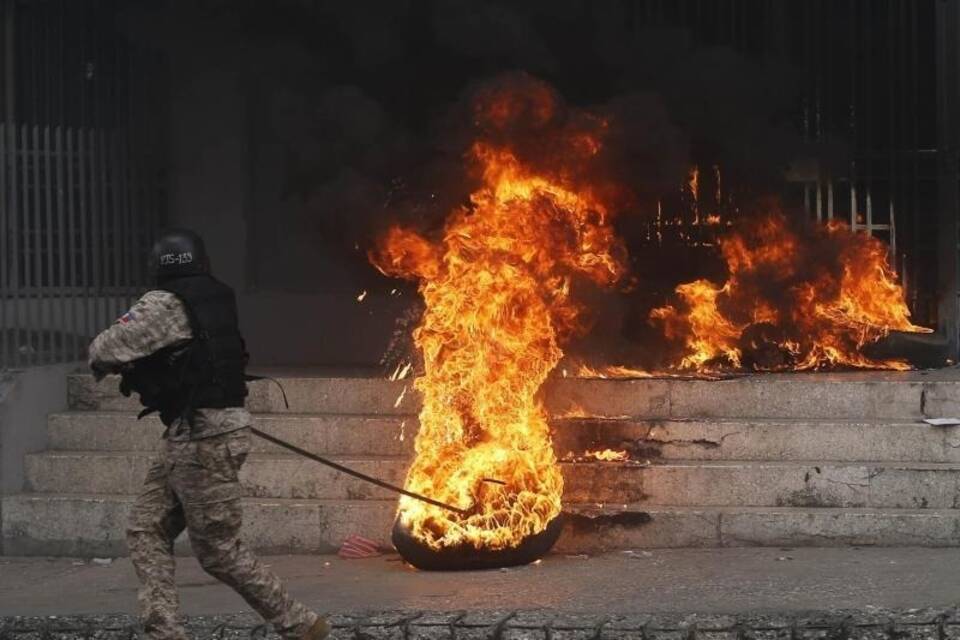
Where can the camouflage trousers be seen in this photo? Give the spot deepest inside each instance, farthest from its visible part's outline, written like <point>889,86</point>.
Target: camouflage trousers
<point>193,484</point>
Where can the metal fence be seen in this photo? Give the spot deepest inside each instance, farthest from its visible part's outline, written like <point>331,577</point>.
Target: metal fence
<point>81,180</point>
<point>871,74</point>
<point>77,221</point>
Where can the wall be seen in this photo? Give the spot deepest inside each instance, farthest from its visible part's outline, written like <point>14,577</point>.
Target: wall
<point>226,186</point>
<point>317,328</point>
<point>209,157</point>
<point>27,396</point>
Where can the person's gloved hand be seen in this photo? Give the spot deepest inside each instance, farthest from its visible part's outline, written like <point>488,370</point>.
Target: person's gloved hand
<point>100,370</point>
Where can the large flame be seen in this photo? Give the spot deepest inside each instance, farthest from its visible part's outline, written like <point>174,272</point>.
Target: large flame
<point>498,283</point>
<point>497,290</point>
<point>792,300</point>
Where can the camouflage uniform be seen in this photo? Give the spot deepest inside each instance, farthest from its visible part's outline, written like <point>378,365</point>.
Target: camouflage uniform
<point>191,484</point>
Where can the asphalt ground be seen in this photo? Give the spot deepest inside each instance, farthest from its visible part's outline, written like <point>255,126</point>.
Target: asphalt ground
<point>733,581</point>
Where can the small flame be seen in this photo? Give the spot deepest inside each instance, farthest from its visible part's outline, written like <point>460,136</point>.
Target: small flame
<point>574,411</point>
<point>363,294</point>
<point>693,183</point>
<point>608,455</point>
<point>399,400</point>
<point>401,371</point>
<point>719,193</point>
<point>613,371</point>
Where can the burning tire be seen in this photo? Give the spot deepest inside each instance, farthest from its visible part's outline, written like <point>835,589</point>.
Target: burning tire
<point>466,557</point>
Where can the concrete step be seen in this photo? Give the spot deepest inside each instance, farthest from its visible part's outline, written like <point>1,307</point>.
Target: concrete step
<point>859,396</point>
<point>823,396</point>
<point>694,439</point>
<point>776,439</point>
<point>305,394</point>
<point>677,483</point>
<point>324,434</point>
<point>85,525</point>
<point>263,475</point>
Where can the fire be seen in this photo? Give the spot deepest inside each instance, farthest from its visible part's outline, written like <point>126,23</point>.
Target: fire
<point>795,299</point>
<point>497,287</point>
<point>608,455</point>
<point>613,371</point>
<point>574,411</point>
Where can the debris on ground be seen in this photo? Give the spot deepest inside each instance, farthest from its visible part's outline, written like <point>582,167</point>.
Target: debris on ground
<point>943,422</point>
<point>356,547</point>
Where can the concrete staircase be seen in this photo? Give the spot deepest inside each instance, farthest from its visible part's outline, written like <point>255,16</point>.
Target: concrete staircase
<point>765,460</point>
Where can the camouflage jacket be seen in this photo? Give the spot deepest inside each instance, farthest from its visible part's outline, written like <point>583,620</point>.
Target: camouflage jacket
<point>156,321</point>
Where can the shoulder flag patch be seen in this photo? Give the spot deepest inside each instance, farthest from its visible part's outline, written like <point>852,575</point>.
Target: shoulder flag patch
<point>126,318</point>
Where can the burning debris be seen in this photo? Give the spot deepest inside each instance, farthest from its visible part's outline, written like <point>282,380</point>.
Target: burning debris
<point>612,371</point>
<point>603,455</point>
<point>498,285</point>
<point>502,284</point>
<point>797,297</point>
<point>399,400</point>
<point>608,455</point>
<point>402,370</point>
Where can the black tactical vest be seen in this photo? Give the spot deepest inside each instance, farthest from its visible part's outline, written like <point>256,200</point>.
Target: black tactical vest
<point>213,374</point>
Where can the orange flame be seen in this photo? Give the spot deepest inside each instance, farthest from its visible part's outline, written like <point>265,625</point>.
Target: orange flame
<point>790,302</point>
<point>613,371</point>
<point>607,455</point>
<point>497,290</point>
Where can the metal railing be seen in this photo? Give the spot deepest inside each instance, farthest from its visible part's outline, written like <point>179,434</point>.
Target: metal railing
<point>76,220</point>
<point>81,180</point>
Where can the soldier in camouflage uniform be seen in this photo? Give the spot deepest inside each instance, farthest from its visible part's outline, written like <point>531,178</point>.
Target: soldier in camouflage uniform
<point>193,482</point>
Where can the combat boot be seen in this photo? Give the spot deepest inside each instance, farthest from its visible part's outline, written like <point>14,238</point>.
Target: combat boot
<point>318,631</point>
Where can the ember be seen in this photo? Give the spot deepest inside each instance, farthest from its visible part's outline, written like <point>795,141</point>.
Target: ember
<point>796,298</point>
<point>607,455</point>
<point>497,288</point>
<point>613,371</point>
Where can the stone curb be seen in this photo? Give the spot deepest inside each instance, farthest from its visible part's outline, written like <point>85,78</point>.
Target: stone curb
<point>867,624</point>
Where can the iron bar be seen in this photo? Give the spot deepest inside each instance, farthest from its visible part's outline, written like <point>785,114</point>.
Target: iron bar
<point>130,162</point>
<point>74,240</point>
<point>128,245</point>
<point>116,246</point>
<point>85,239</point>
<point>107,294</point>
<point>97,239</point>
<point>5,253</point>
<point>32,242</point>
<point>35,234</point>
<point>48,282</point>
<point>61,323</point>
<point>13,237</point>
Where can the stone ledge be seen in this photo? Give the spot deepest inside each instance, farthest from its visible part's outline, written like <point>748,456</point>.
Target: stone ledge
<point>873,624</point>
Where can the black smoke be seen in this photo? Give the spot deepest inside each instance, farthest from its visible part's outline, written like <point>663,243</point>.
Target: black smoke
<point>361,105</point>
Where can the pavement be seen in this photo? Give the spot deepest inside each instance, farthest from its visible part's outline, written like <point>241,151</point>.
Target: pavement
<point>714,581</point>
<point>677,594</point>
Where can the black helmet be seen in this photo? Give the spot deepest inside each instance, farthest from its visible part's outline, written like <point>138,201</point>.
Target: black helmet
<point>179,252</point>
